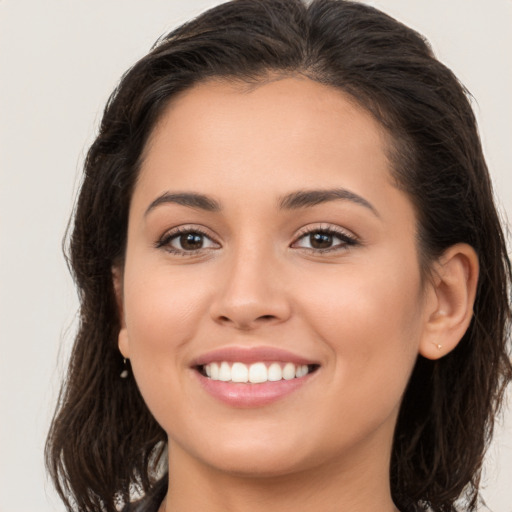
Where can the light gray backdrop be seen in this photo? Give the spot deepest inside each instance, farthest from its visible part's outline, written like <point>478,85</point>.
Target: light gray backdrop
<point>59,60</point>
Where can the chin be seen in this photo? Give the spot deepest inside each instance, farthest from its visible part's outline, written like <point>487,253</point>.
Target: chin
<point>244,456</point>
<point>269,465</point>
<point>251,457</point>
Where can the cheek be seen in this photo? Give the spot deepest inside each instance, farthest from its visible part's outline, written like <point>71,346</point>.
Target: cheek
<point>161,308</point>
<point>371,300</point>
<point>371,320</point>
<point>163,312</point>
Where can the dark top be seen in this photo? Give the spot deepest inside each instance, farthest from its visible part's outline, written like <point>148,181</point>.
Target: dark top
<point>152,501</point>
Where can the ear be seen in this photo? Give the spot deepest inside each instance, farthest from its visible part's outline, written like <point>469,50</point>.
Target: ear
<point>122,339</point>
<point>450,301</point>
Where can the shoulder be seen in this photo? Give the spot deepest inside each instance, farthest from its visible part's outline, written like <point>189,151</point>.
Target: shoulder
<point>424,507</point>
<point>152,501</point>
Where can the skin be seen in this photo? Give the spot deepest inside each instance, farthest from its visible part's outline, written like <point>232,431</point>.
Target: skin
<point>361,310</point>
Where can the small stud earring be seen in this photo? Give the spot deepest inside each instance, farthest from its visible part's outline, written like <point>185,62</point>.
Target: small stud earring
<point>439,346</point>
<point>124,373</point>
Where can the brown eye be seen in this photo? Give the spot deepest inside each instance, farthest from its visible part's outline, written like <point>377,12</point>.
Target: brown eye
<point>324,240</point>
<point>191,241</point>
<point>320,240</point>
<point>187,241</point>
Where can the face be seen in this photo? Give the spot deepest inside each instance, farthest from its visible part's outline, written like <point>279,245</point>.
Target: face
<point>266,241</point>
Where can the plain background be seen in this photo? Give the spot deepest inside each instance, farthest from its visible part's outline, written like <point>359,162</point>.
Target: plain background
<point>59,60</point>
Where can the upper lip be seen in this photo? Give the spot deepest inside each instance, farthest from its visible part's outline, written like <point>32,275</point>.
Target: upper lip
<point>249,355</point>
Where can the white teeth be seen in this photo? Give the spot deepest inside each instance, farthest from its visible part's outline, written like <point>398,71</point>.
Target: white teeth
<point>224,372</point>
<point>239,372</point>
<point>301,370</point>
<point>257,372</point>
<point>289,371</point>
<point>214,371</point>
<point>254,373</point>
<point>275,372</point>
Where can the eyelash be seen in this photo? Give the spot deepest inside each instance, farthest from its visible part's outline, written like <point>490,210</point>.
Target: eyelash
<point>165,241</point>
<point>346,240</point>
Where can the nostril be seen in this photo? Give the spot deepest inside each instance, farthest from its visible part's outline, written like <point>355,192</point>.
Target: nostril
<point>224,318</point>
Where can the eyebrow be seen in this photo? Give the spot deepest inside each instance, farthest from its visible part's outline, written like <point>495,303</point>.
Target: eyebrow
<point>308,198</point>
<point>294,201</point>
<point>190,199</point>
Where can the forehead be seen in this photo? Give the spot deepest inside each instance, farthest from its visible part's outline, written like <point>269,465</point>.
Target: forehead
<point>284,115</point>
<point>296,105</point>
<point>247,146</point>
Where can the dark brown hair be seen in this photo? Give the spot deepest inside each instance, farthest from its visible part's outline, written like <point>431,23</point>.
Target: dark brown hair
<point>103,438</point>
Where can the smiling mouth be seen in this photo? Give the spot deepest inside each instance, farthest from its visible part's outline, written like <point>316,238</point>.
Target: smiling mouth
<point>255,373</point>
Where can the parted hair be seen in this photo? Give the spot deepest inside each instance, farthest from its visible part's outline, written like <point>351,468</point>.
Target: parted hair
<point>103,440</point>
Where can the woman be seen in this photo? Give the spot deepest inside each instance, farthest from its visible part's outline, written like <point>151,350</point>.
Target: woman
<point>293,280</point>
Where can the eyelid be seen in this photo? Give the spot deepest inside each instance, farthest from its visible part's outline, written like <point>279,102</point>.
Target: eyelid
<point>164,241</point>
<point>348,237</point>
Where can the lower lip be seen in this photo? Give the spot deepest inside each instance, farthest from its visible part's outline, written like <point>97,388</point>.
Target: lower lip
<point>251,395</point>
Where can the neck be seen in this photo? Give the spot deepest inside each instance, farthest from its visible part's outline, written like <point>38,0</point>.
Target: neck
<point>357,483</point>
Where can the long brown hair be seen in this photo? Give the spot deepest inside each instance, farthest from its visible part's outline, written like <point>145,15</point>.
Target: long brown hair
<point>103,440</point>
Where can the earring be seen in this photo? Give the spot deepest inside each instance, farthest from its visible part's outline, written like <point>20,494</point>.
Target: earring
<point>124,373</point>
<point>439,346</point>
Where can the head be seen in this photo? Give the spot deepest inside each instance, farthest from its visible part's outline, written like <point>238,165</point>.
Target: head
<point>427,130</point>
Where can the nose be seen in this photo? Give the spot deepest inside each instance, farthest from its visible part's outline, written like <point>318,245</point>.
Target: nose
<point>251,293</point>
